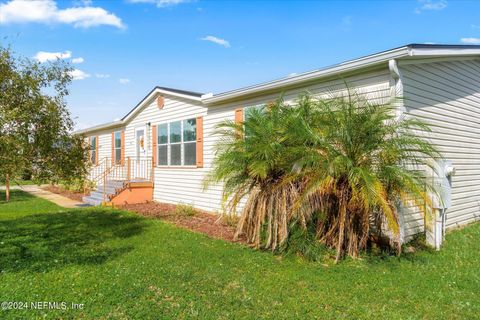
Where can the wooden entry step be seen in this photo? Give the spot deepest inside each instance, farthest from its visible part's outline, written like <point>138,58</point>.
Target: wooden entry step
<point>134,192</point>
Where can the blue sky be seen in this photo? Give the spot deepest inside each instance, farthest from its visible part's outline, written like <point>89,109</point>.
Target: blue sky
<point>128,47</point>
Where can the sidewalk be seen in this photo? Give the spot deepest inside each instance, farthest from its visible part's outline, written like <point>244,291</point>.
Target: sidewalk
<point>50,196</point>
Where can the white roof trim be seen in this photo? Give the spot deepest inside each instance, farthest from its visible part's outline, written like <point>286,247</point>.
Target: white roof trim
<point>311,75</point>
<point>406,52</point>
<point>99,127</point>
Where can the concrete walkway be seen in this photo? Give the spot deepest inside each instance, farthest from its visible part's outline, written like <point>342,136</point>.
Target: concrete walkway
<point>50,196</point>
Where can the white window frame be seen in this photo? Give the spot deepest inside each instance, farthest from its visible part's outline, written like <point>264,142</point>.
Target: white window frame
<point>115,148</point>
<point>163,144</point>
<point>181,143</point>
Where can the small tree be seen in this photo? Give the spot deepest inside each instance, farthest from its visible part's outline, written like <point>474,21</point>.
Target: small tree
<point>35,124</point>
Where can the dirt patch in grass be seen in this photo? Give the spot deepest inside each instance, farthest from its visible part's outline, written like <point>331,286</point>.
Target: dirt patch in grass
<point>74,195</point>
<point>203,222</point>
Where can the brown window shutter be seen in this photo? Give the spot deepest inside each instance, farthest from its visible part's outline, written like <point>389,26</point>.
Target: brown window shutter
<point>122,143</point>
<point>154,145</point>
<point>113,148</point>
<point>238,120</point>
<point>96,151</point>
<point>199,146</point>
<point>238,115</point>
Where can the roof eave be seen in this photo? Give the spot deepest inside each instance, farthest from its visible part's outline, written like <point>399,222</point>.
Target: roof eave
<point>348,66</point>
<point>100,127</point>
<point>405,52</point>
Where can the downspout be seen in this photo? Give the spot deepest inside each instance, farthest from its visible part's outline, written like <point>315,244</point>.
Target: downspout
<point>396,88</point>
<point>396,95</point>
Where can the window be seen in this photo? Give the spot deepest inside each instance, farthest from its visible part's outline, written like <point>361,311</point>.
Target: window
<point>189,142</point>
<point>93,150</point>
<point>118,147</point>
<point>162,144</point>
<point>176,143</point>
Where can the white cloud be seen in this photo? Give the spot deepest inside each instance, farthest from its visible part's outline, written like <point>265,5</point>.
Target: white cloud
<point>470,40</point>
<point>78,60</point>
<point>160,3</point>
<point>43,56</point>
<point>216,40</point>
<point>46,11</point>
<point>102,75</point>
<point>431,5</point>
<point>79,74</point>
<point>85,3</point>
<point>124,80</point>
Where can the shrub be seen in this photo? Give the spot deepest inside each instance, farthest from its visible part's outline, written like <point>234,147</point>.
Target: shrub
<point>185,210</point>
<point>302,242</point>
<point>77,185</point>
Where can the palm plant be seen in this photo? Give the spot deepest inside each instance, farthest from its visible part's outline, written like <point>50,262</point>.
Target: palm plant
<point>356,164</point>
<point>252,164</point>
<point>343,163</point>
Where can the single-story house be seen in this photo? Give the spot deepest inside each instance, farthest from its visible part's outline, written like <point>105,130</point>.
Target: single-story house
<point>164,147</point>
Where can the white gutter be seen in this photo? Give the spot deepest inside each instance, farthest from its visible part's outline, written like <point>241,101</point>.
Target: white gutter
<point>99,127</point>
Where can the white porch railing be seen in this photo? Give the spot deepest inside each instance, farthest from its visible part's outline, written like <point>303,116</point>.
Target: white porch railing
<point>132,169</point>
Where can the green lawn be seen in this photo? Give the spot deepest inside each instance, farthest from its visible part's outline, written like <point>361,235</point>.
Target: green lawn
<point>18,182</point>
<point>121,266</point>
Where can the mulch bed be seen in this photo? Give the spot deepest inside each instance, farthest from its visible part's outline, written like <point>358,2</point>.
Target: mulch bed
<point>66,193</point>
<point>203,222</point>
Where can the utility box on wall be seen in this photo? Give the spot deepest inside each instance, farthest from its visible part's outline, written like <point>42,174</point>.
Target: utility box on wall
<point>442,181</point>
<point>443,170</point>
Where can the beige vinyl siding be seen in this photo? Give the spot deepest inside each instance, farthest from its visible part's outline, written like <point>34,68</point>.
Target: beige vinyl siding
<point>447,96</point>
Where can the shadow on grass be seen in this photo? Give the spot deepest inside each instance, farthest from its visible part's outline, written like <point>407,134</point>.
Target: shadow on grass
<point>44,242</point>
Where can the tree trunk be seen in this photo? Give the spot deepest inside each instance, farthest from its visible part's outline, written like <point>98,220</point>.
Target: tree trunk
<point>341,226</point>
<point>7,188</point>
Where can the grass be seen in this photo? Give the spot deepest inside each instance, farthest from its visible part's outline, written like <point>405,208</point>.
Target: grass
<point>122,266</point>
<point>19,182</point>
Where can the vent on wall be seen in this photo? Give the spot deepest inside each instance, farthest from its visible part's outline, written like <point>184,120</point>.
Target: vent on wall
<point>160,102</point>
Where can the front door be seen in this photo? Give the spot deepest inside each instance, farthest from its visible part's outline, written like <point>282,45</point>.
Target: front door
<point>141,153</point>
